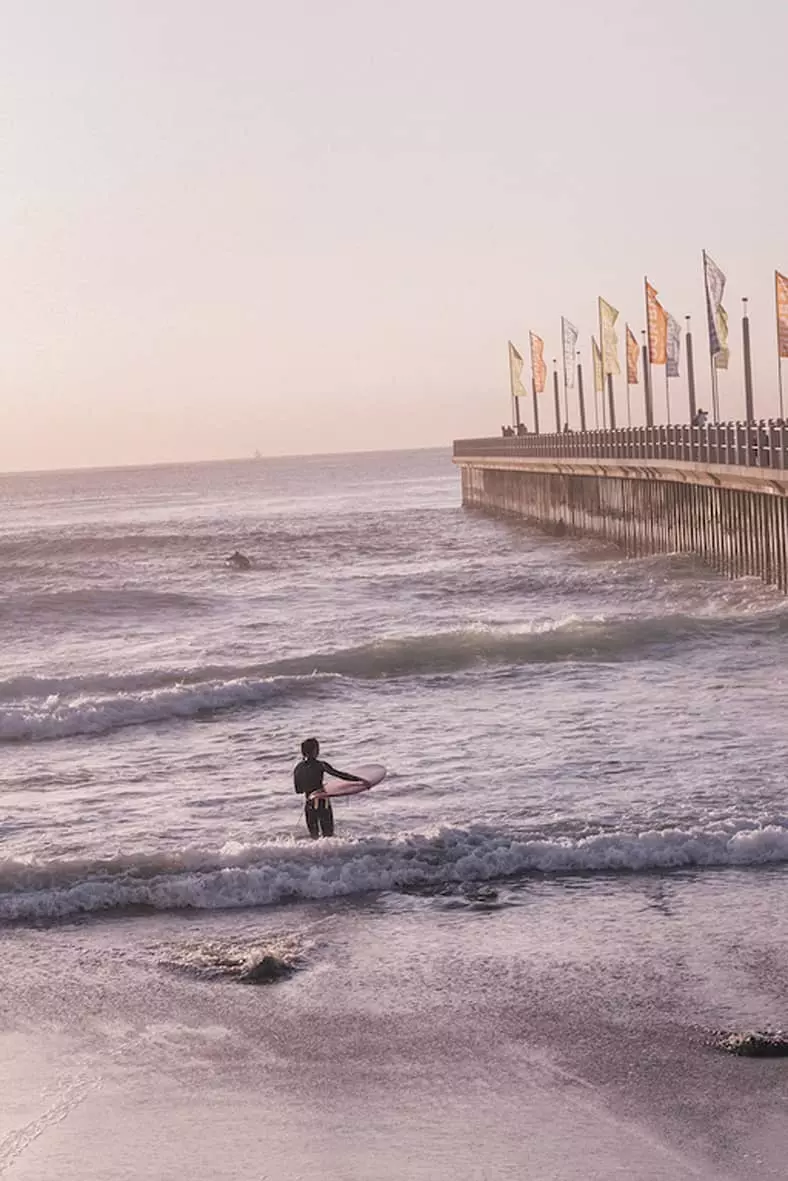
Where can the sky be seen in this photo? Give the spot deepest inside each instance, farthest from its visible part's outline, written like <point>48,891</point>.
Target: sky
<point>313,226</point>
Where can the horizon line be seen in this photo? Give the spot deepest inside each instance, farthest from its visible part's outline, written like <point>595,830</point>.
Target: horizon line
<point>163,463</point>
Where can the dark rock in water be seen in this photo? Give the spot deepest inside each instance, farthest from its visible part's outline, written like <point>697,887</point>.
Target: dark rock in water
<point>760,1044</point>
<point>243,961</point>
<point>266,971</point>
<point>476,893</point>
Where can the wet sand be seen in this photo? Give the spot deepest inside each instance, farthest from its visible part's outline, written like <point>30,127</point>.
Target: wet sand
<point>435,1037</point>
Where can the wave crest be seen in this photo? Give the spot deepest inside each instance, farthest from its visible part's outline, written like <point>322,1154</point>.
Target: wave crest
<point>247,876</point>
<point>56,717</point>
<point>52,707</point>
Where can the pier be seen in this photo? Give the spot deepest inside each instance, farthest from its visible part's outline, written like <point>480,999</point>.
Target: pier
<point>719,491</point>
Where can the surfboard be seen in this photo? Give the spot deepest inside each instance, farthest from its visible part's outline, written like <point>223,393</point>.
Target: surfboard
<point>373,773</point>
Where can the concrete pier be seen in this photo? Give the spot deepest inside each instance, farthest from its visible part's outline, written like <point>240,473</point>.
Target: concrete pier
<point>718,492</point>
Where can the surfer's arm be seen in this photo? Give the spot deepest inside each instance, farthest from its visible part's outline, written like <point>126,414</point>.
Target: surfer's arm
<point>329,770</point>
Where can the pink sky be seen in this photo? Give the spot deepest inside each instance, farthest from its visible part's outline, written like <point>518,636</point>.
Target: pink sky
<point>313,226</point>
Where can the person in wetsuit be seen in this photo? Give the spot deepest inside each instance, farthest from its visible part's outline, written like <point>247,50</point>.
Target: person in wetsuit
<point>308,777</point>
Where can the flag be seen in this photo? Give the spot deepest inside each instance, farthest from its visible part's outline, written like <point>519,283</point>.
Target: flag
<point>717,316</point>
<point>657,327</point>
<point>538,367</point>
<point>673,347</point>
<point>569,335</point>
<point>599,377</point>
<point>608,337</point>
<point>515,372</point>
<point>633,354</point>
<point>781,289</point>
<point>721,359</point>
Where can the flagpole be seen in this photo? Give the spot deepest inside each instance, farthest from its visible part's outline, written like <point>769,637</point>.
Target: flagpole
<point>667,392</point>
<point>580,395</point>
<point>602,360</point>
<point>596,391</point>
<point>690,371</point>
<point>511,389</point>
<point>626,358</point>
<point>646,383</point>
<point>556,398</point>
<point>745,332</point>
<point>629,405</point>
<point>563,366</point>
<point>536,405</point>
<point>647,387</point>
<point>779,344</point>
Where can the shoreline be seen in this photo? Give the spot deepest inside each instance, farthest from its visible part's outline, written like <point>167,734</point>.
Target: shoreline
<point>420,1039</point>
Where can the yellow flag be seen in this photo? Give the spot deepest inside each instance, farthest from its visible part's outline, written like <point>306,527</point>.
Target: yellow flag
<point>721,358</point>
<point>538,367</point>
<point>781,287</point>
<point>515,370</point>
<point>657,328</point>
<point>608,337</point>
<point>599,377</point>
<point>633,355</point>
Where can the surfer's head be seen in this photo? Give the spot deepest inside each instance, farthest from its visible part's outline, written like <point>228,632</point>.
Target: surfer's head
<point>310,748</point>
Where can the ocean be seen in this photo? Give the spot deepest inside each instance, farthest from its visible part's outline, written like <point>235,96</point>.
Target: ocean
<point>514,957</point>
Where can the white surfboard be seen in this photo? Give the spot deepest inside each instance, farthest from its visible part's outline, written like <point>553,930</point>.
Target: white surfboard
<point>372,774</point>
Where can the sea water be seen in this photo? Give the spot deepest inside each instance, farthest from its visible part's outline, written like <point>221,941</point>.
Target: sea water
<point>579,850</point>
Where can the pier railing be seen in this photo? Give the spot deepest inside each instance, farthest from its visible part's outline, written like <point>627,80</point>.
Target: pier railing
<point>763,445</point>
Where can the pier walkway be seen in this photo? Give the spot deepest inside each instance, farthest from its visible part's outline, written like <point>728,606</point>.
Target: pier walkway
<point>719,491</point>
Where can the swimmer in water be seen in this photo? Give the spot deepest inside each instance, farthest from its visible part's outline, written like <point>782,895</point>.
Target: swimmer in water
<point>239,561</point>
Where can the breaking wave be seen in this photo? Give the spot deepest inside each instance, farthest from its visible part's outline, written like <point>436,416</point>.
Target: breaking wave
<point>264,875</point>
<point>59,717</point>
<point>38,708</point>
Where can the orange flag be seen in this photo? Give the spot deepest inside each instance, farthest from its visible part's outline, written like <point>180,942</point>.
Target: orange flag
<point>657,328</point>
<point>781,288</point>
<point>633,355</point>
<point>538,367</point>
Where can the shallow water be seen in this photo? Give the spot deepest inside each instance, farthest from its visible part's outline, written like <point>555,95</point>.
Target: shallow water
<point>584,815</point>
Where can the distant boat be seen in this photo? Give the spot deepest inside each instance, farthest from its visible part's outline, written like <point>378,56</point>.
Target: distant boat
<point>257,455</point>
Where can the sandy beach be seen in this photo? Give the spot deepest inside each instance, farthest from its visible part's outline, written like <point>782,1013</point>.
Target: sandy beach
<point>444,1038</point>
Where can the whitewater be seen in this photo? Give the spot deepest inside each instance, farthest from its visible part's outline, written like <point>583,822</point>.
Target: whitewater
<point>586,761</point>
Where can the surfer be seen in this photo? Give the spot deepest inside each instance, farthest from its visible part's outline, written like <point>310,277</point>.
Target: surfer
<point>308,778</point>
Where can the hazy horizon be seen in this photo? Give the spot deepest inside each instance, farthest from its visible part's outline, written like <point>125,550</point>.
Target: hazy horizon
<point>163,463</point>
<point>314,228</point>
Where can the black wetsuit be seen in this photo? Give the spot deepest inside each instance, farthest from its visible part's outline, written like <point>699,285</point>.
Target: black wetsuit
<point>308,777</point>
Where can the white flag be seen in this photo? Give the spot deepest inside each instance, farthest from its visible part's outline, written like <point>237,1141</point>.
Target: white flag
<point>569,335</point>
<point>674,346</point>
<point>716,314</point>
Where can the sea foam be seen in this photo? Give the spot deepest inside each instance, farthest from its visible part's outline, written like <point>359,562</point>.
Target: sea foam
<point>264,875</point>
